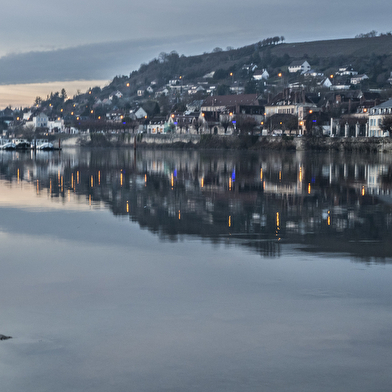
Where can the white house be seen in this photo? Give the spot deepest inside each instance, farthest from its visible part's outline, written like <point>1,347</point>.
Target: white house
<point>117,94</point>
<point>210,75</point>
<point>156,127</point>
<point>115,115</point>
<point>376,115</point>
<point>347,71</point>
<point>299,66</point>
<point>162,91</point>
<point>40,121</point>
<point>260,74</point>
<point>357,79</point>
<point>196,89</point>
<point>56,125</point>
<point>174,82</point>
<point>26,116</point>
<point>325,83</point>
<point>249,67</point>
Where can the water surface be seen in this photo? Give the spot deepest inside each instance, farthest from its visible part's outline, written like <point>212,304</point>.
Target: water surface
<point>190,271</point>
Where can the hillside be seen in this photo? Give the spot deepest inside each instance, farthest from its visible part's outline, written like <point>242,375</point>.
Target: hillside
<point>372,56</point>
<point>170,82</point>
<point>354,48</point>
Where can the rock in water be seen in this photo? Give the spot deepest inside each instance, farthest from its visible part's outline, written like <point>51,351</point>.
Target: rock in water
<point>3,337</point>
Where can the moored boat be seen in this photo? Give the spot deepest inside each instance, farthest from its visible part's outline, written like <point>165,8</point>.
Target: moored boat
<point>42,144</point>
<point>6,144</point>
<point>21,144</point>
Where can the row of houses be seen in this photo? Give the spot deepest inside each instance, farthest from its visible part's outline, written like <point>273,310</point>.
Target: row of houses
<point>221,114</point>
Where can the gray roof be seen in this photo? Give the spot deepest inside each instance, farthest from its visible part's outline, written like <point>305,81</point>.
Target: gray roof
<point>386,104</point>
<point>296,63</point>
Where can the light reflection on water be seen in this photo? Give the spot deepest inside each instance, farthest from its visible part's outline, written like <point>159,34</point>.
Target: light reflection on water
<point>326,201</point>
<point>226,272</point>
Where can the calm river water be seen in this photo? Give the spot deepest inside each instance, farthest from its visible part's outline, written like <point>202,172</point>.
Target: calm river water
<point>195,271</point>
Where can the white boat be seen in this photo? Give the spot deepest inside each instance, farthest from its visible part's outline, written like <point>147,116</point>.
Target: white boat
<point>6,144</point>
<point>21,144</point>
<point>42,144</point>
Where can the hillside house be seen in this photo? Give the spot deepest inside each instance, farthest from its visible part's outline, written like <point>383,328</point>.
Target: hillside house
<point>196,89</point>
<point>40,120</point>
<point>260,74</point>
<point>346,70</point>
<point>117,94</point>
<point>301,66</point>
<point>27,116</point>
<point>140,113</point>
<point>312,74</point>
<point>325,82</point>
<point>357,79</point>
<point>249,67</point>
<point>162,91</point>
<point>115,115</point>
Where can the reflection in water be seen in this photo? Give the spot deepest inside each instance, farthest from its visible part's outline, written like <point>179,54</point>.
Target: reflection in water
<point>94,303</point>
<point>328,202</point>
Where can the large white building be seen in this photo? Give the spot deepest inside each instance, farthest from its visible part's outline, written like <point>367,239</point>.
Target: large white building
<point>376,115</point>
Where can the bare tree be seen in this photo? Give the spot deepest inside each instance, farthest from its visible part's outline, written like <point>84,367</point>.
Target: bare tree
<point>198,123</point>
<point>386,124</point>
<point>245,124</point>
<point>225,121</point>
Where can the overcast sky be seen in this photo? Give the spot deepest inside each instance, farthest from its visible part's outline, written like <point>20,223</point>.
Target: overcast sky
<point>46,41</point>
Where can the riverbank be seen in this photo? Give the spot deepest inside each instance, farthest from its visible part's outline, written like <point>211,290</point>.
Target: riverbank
<point>230,142</point>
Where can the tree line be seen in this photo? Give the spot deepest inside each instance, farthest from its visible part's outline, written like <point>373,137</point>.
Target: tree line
<point>271,41</point>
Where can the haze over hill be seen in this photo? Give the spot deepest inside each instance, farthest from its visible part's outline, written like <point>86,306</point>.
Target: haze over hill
<point>100,62</point>
<point>104,61</point>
